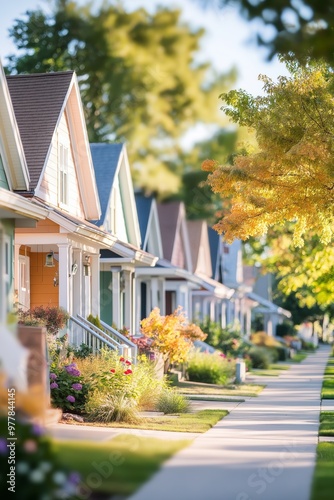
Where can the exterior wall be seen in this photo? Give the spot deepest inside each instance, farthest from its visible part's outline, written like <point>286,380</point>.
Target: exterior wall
<point>42,226</point>
<point>48,189</point>
<point>115,217</point>
<point>6,267</point>
<point>178,252</point>
<point>42,289</point>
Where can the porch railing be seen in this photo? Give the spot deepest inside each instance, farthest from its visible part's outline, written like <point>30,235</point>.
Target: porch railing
<point>81,331</point>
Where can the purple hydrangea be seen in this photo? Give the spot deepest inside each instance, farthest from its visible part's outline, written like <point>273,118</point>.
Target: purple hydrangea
<point>71,399</point>
<point>74,478</point>
<point>53,376</point>
<point>77,387</point>
<point>54,385</point>
<point>72,370</point>
<point>38,430</point>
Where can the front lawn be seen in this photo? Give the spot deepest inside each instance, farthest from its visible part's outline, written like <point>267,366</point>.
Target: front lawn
<point>323,479</point>
<point>328,388</point>
<point>326,423</point>
<point>192,388</point>
<point>298,357</point>
<point>119,466</point>
<point>200,421</point>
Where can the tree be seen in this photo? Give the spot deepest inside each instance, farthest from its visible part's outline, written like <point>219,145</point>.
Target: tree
<point>306,273</point>
<point>303,27</point>
<point>171,335</point>
<point>138,76</point>
<point>291,175</point>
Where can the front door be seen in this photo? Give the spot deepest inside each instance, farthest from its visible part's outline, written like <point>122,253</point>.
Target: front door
<point>24,282</point>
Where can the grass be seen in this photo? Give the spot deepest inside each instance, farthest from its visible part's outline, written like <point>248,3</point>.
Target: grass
<point>119,466</point>
<point>298,357</point>
<point>274,370</point>
<point>193,388</point>
<point>323,479</point>
<point>200,421</point>
<point>328,388</point>
<point>326,423</point>
<point>279,367</point>
<point>329,370</point>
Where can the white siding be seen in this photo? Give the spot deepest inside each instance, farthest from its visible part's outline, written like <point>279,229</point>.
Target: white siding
<point>48,190</point>
<point>115,218</point>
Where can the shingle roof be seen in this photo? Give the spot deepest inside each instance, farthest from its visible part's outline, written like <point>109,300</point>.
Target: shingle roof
<point>105,160</point>
<point>144,204</point>
<point>37,101</point>
<point>168,219</point>
<point>214,241</point>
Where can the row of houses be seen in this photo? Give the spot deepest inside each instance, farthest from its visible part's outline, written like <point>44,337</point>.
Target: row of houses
<point>74,234</point>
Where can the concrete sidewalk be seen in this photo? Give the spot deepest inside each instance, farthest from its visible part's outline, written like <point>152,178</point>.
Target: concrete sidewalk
<point>264,449</point>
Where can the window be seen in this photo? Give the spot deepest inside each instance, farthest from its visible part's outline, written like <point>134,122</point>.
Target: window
<point>63,174</point>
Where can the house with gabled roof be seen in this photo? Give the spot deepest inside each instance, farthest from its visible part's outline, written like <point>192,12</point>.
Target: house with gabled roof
<point>15,211</point>
<point>150,284</point>
<point>211,300</point>
<point>59,259</point>
<point>119,301</point>
<point>228,269</point>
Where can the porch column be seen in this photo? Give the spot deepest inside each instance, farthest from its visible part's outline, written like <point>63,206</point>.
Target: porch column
<point>138,299</point>
<point>95,288</point>
<point>128,299</point>
<point>154,293</point>
<point>116,302</point>
<point>77,282</point>
<point>64,280</point>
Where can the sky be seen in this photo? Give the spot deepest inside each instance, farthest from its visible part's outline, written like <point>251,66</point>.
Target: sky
<point>226,44</point>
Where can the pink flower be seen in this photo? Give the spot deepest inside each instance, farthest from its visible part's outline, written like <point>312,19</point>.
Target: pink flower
<point>122,359</point>
<point>127,362</point>
<point>127,372</point>
<point>30,446</point>
<point>113,370</point>
<point>222,355</point>
<point>54,385</point>
<point>70,398</point>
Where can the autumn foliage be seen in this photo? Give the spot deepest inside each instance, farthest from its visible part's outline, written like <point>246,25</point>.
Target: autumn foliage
<point>291,175</point>
<point>172,335</point>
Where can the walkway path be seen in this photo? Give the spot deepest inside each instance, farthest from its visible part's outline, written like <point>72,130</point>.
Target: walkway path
<point>264,449</point>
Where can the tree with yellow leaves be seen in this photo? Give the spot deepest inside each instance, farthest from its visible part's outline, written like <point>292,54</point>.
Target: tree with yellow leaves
<point>291,175</point>
<point>171,335</point>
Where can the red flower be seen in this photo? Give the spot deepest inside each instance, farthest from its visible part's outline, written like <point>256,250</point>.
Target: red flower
<point>121,359</point>
<point>113,370</point>
<point>127,372</point>
<point>127,362</point>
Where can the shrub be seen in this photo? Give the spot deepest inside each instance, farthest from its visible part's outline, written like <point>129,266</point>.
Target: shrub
<point>68,390</point>
<point>227,339</point>
<point>260,357</point>
<point>171,401</point>
<point>172,335</point>
<point>116,382</point>
<point>308,346</point>
<point>210,368</point>
<point>54,318</point>
<point>81,352</point>
<point>114,407</point>
<point>277,351</point>
<point>95,321</point>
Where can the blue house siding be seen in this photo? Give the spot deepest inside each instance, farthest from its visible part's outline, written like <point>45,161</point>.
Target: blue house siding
<point>3,178</point>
